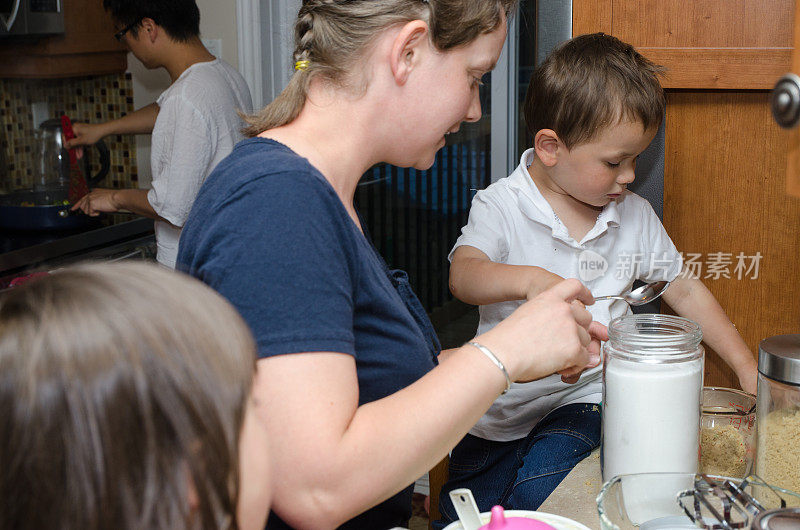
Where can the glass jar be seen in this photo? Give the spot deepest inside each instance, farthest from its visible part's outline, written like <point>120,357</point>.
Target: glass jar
<point>778,411</point>
<point>652,386</point>
<point>727,432</point>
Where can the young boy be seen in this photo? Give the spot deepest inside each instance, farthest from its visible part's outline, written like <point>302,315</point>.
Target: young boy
<point>194,123</point>
<point>592,107</point>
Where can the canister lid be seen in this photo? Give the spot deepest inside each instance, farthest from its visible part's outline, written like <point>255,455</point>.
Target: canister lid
<point>779,358</point>
<point>782,519</point>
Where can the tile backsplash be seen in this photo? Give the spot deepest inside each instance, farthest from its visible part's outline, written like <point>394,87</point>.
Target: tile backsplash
<point>85,99</point>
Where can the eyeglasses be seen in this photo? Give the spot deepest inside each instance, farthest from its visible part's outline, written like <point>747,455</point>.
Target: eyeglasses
<point>121,33</point>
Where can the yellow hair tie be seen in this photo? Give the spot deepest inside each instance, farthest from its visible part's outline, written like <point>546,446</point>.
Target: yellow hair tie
<point>302,65</point>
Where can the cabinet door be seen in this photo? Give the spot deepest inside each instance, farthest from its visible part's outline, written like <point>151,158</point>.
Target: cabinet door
<point>705,44</point>
<point>87,47</point>
<point>725,201</point>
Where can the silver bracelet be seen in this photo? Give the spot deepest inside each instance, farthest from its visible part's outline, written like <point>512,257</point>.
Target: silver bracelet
<point>492,357</point>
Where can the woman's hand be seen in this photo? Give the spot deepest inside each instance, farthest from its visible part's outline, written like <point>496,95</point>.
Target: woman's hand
<point>596,330</point>
<point>550,334</point>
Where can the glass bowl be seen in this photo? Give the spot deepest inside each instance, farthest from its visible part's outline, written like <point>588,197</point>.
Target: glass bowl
<point>727,432</point>
<point>649,501</point>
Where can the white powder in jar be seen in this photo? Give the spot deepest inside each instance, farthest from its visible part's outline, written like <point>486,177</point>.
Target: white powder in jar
<point>651,416</point>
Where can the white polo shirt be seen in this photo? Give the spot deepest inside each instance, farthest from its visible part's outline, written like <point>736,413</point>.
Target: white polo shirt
<point>511,222</point>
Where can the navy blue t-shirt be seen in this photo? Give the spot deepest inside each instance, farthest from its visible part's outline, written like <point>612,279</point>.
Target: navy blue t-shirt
<point>269,233</point>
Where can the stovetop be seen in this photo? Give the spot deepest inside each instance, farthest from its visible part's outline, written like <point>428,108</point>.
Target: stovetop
<point>22,250</point>
<point>11,240</point>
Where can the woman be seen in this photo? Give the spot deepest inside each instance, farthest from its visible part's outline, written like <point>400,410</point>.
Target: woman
<point>124,405</point>
<point>356,405</point>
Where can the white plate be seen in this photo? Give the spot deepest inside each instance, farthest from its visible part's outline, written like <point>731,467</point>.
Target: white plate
<point>556,521</point>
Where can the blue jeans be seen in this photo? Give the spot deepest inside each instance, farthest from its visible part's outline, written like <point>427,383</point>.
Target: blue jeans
<point>519,475</point>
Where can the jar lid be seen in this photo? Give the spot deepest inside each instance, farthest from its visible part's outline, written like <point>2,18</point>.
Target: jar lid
<point>779,358</point>
<point>780,519</point>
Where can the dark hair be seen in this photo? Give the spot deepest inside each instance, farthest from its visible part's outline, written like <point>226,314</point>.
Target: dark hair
<point>122,386</point>
<point>179,18</point>
<point>591,82</point>
<point>333,35</point>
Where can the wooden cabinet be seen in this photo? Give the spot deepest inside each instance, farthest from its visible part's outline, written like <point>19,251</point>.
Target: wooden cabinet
<point>87,47</point>
<point>705,44</point>
<point>725,157</point>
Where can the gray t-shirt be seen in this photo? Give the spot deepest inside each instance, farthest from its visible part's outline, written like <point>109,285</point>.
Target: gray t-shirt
<point>197,126</point>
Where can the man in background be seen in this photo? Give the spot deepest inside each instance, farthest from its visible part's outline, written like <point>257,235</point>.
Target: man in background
<point>194,123</point>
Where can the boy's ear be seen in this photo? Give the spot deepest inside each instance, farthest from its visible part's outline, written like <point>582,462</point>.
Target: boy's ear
<point>406,49</point>
<point>149,29</point>
<point>547,145</point>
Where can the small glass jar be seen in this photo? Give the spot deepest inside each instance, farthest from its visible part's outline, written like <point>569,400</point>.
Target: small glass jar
<point>652,386</point>
<point>727,432</point>
<point>778,411</point>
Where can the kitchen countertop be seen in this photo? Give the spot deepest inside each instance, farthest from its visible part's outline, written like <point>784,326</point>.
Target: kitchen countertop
<point>575,497</point>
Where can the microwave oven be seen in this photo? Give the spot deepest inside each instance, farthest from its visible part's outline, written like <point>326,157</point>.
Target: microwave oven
<point>31,17</point>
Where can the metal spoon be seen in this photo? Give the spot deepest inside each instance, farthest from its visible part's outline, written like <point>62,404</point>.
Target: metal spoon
<point>641,295</point>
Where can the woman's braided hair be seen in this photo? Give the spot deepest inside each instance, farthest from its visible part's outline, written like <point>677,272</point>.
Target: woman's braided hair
<point>332,35</point>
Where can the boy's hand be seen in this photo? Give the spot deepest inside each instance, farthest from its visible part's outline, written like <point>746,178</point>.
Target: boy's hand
<point>748,377</point>
<point>85,134</point>
<point>541,281</point>
<point>477,280</point>
<point>691,299</point>
<point>97,201</point>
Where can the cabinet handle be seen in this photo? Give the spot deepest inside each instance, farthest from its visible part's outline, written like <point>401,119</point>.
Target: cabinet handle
<point>785,101</point>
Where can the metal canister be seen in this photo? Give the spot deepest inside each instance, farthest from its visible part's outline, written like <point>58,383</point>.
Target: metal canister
<point>778,411</point>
